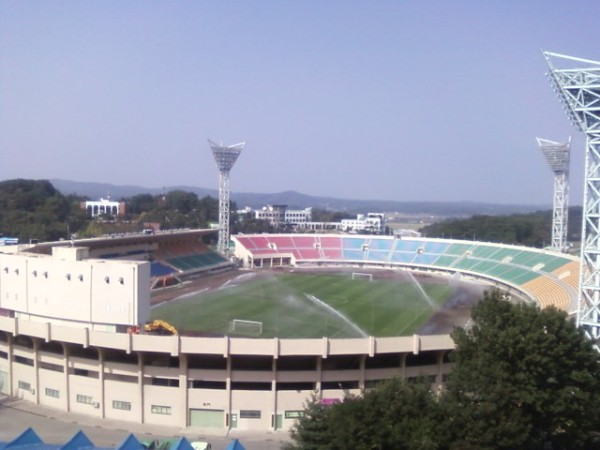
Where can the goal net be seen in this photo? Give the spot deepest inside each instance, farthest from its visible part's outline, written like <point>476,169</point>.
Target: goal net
<point>246,327</point>
<point>362,276</point>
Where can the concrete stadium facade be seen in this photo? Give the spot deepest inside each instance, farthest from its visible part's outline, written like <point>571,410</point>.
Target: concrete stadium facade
<point>59,348</point>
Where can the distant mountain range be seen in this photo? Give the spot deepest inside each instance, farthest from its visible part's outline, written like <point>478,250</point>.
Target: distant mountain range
<point>297,200</point>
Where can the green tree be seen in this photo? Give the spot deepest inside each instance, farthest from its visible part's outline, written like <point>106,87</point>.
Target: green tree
<point>532,229</point>
<point>396,415</point>
<point>181,201</point>
<point>311,431</point>
<point>141,203</point>
<point>523,379</point>
<point>33,209</point>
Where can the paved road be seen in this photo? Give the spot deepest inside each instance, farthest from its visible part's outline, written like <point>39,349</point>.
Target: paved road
<point>57,427</point>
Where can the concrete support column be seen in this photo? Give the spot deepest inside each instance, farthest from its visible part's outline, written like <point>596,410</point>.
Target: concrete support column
<point>101,382</point>
<point>140,387</point>
<point>403,365</point>
<point>363,373</point>
<point>274,392</point>
<point>183,389</point>
<point>319,375</point>
<point>10,356</point>
<point>228,388</point>
<point>67,390</point>
<point>36,370</point>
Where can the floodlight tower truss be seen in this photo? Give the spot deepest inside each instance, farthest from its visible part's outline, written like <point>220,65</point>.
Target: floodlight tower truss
<point>558,157</point>
<point>577,83</point>
<point>225,157</point>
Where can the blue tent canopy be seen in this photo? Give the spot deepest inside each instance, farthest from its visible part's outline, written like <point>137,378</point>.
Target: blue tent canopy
<point>27,438</point>
<point>235,445</point>
<point>130,443</point>
<point>78,441</point>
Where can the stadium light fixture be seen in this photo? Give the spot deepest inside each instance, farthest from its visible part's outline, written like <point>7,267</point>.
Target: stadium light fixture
<point>225,157</point>
<point>578,82</point>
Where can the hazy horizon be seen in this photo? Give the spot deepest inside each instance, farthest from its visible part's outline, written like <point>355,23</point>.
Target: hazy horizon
<point>401,101</point>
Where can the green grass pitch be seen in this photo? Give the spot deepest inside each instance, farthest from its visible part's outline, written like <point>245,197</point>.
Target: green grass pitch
<point>297,305</point>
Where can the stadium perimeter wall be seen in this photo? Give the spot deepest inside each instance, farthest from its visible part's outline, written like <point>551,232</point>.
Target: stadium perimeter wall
<point>205,382</point>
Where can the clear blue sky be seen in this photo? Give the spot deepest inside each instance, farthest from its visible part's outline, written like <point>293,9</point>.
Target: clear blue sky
<point>399,100</point>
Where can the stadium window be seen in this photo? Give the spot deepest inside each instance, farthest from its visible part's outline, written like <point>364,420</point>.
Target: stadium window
<point>3,355</point>
<point>85,399</point>
<point>120,378</point>
<point>295,386</point>
<point>422,359</point>
<point>23,360</point>
<point>250,414</point>
<point>23,341</point>
<point>331,385</point>
<point>215,362</point>
<point>158,409</point>
<point>292,363</point>
<point>383,361</point>
<point>170,382</point>
<point>24,385</point>
<point>261,363</point>
<point>50,366</point>
<point>250,386</point>
<point>341,362</point>
<point>124,406</point>
<point>55,393</point>
<point>201,384</point>
<point>294,414</point>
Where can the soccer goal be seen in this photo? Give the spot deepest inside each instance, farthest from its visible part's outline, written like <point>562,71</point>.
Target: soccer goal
<point>246,327</point>
<point>362,276</point>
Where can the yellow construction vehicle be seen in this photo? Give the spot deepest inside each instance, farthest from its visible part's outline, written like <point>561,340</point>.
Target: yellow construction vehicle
<point>155,327</point>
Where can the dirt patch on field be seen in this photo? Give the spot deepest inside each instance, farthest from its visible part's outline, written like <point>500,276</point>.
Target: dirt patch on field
<point>454,313</point>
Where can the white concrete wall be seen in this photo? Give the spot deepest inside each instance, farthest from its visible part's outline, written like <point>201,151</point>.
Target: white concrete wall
<point>41,287</point>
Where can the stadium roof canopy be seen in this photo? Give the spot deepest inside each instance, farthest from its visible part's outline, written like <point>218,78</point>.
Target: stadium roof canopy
<point>124,240</point>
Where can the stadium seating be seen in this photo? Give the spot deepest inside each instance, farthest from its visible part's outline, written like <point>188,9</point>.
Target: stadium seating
<point>331,247</point>
<point>551,278</point>
<point>159,270</point>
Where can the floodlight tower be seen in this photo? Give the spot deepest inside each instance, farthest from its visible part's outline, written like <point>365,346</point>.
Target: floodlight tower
<point>225,156</point>
<point>578,86</point>
<point>558,156</point>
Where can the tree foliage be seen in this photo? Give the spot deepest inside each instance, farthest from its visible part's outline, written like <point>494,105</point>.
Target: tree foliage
<point>532,229</point>
<point>32,209</point>
<point>326,215</point>
<point>389,417</point>
<point>523,378</point>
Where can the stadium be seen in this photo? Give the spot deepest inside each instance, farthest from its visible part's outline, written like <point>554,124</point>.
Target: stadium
<point>68,336</point>
<point>84,328</point>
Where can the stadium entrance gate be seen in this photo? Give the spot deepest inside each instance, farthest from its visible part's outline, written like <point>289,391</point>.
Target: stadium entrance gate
<point>209,418</point>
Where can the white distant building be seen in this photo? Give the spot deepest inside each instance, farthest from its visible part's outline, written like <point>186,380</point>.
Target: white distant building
<point>297,216</point>
<point>279,214</point>
<point>371,223</point>
<point>104,206</point>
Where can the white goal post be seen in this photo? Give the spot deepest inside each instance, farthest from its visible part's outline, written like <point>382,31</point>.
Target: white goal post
<point>246,327</point>
<point>362,276</point>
